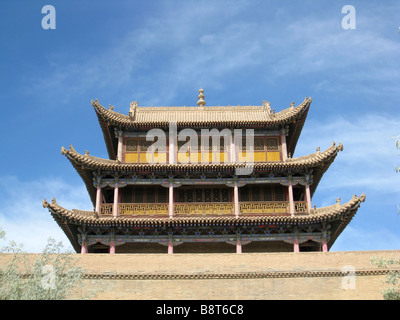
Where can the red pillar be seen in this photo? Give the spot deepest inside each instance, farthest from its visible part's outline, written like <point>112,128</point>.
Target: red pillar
<point>236,199</point>
<point>296,246</point>
<point>98,198</point>
<point>112,247</point>
<point>116,200</point>
<point>170,247</point>
<point>291,201</point>
<point>84,247</point>
<point>171,200</point>
<point>324,245</point>
<point>308,196</point>
<point>238,246</point>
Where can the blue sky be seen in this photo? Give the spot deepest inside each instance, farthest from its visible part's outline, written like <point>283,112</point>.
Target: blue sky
<point>161,53</point>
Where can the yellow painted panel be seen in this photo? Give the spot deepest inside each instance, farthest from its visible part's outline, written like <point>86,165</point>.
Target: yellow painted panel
<point>273,156</point>
<point>207,156</point>
<point>183,157</point>
<point>259,157</point>
<point>223,156</point>
<point>195,157</point>
<point>143,158</point>
<point>131,158</point>
<point>220,157</point>
<point>245,157</point>
<point>160,157</point>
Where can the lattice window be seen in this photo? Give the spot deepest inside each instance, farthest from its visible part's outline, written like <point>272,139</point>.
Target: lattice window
<point>182,143</point>
<point>245,147</point>
<point>132,144</point>
<point>145,145</point>
<point>180,195</point>
<point>280,193</point>
<point>225,195</point>
<point>272,144</point>
<point>162,195</point>
<point>216,195</point>
<point>268,194</point>
<point>151,195</point>
<point>244,194</point>
<point>207,195</point>
<point>144,194</point>
<point>127,194</point>
<point>136,151</point>
<point>265,149</point>
<point>256,193</point>
<point>199,195</point>
<point>138,195</point>
<point>258,143</point>
<point>189,195</point>
<point>262,193</point>
<point>202,194</point>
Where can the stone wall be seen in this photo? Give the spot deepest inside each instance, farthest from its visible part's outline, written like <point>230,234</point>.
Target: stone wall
<point>248,276</point>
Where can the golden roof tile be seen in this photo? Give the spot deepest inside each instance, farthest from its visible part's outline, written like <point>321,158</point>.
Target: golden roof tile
<point>204,116</point>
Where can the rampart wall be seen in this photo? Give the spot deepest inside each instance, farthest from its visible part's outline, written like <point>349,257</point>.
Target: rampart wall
<point>248,276</point>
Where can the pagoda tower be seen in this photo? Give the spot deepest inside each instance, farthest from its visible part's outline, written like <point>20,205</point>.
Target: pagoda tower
<point>203,179</point>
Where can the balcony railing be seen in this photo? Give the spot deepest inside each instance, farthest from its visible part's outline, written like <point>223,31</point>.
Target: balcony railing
<point>300,207</point>
<point>143,209</point>
<point>205,208</point>
<point>106,209</point>
<point>264,207</point>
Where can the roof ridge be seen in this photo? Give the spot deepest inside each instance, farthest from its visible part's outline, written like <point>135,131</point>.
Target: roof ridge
<point>342,207</point>
<point>86,156</point>
<point>318,153</point>
<point>175,112</point>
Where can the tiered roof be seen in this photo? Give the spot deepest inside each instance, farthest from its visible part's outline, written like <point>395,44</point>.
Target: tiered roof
<point>86,165</point>
<point>202,116</point>
<point>144,118</point>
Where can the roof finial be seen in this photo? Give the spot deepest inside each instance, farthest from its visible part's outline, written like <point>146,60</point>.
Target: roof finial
<point>267,106</point>
<point>201,102</point>
<point>133,108</point>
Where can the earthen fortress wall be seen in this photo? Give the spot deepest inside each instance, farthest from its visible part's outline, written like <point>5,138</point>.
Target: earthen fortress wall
<point>247,276</point>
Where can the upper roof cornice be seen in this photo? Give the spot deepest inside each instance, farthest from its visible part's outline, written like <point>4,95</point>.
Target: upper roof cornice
<point>201,115</point>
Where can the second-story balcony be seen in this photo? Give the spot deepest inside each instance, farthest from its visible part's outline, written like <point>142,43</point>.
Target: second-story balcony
<point>204,208</point>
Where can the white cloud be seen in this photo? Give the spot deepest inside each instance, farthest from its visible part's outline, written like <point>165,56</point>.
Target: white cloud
<point>216,41</point>
<point>23,217</point>
<point>369,155</point>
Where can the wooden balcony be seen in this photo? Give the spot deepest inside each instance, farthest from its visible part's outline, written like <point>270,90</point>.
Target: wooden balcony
<point>262,207</point>
<point>143,209</point>
<point>300,207</point>
<point>106,209</point>
<point>205,208</point>
<point>211,208</point>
